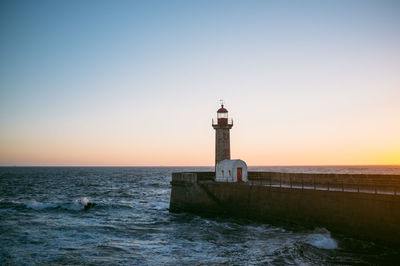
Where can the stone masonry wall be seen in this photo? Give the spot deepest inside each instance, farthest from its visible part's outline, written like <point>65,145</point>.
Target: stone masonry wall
<point>364,215</point>
<point>222,144</point>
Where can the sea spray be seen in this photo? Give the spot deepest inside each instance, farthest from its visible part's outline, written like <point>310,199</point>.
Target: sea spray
<point>321,238</point>
<point>76,205</point>
<point>84,201</point>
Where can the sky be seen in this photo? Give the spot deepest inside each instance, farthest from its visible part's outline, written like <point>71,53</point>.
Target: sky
<point>136,83</point>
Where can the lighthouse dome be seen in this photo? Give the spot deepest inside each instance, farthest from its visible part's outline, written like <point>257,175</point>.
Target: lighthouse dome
<point>222,109</point>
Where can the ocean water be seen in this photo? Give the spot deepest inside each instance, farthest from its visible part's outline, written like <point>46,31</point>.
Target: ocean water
<point>43,221</point>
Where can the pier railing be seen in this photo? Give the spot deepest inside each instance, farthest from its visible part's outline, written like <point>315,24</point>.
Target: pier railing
<point>363,183</point>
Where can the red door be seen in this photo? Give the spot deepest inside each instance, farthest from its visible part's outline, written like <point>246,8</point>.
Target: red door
<point>239,174</point>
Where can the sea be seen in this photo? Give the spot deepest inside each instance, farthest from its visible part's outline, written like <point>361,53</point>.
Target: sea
<point>43,221</point>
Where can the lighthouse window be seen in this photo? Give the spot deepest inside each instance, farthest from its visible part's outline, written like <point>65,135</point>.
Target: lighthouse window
<point>230,174</point>
<point>222,115</point>
<point>222,173</point>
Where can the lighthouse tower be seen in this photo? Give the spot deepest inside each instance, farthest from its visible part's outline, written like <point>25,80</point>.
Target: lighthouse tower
<point>226,170</point>
<point>222,139</point>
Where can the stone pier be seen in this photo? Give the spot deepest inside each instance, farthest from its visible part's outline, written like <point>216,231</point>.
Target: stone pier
<point>363,206</point>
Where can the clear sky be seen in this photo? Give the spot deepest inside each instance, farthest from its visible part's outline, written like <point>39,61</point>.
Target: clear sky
<point>137,82</point>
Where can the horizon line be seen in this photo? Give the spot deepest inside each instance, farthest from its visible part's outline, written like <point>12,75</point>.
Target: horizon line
<point>283,165</point>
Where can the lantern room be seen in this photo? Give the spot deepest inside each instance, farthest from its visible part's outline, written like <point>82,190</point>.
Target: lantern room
<point>222,115</point>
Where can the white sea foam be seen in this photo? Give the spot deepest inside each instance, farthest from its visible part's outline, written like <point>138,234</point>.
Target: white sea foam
<point>322,239</point>
<point>77,205</point>
<point>84,201</point>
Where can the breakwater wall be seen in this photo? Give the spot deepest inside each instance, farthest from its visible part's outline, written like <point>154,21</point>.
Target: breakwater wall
<point>365,206</point>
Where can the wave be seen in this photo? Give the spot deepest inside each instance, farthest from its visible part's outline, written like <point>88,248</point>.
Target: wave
<point>82,204</point>
<point>321,238</point>
<point>77,205</point>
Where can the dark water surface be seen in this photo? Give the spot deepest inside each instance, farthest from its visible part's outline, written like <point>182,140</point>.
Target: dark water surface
<point>42,221</point>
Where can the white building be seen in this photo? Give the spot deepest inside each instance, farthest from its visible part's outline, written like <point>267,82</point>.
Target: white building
<point>231,171</point>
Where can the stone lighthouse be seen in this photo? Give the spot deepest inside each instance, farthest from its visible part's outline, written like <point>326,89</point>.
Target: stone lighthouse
<point>222,139</point>
<point>226,170</point>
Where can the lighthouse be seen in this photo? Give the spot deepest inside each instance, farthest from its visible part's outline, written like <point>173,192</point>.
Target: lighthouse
<point>222,140</point>
<point>226,170</point>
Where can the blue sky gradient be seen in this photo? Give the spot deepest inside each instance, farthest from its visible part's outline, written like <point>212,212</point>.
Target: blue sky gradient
<point>137,82</point>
